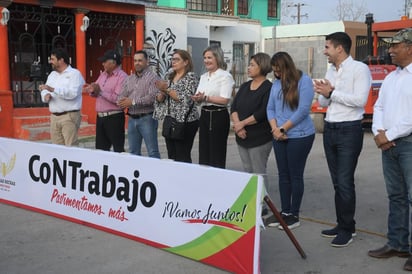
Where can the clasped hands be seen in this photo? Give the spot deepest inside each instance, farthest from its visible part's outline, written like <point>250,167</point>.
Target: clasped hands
<point>239,129</point>
<point>92,89</point>
<point>278,135</point>
<point>382,141</point>
<point>322,87</point>
<point>199,97</point>
<point>48,96</point>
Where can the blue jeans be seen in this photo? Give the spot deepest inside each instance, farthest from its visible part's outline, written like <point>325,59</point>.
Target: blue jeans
<point>343,143</point>
<point>143,128</point>
<point>291,158</point>
<point>397,171</point>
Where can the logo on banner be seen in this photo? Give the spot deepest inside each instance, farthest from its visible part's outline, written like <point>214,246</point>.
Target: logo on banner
<point>7,167</point>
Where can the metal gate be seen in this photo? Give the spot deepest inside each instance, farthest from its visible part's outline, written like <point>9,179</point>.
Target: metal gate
<point>241,55</point>
<point>33,32</point>
<point>109,31</point>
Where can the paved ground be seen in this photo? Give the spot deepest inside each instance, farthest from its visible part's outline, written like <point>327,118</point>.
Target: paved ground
<point>35,243</point>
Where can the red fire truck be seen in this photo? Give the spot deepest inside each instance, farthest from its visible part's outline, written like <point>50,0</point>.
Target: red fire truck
<point>379,69</point>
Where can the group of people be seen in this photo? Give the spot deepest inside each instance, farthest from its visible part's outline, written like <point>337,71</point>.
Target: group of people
<point>264,115</point>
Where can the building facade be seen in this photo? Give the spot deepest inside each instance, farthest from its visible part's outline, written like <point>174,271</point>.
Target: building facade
<point>29,29</point>
<point>234,25</point>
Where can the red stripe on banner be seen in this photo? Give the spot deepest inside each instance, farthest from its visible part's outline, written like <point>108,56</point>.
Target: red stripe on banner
<point>217,223</point>
<point>237,257</point>
<point>74,220</point>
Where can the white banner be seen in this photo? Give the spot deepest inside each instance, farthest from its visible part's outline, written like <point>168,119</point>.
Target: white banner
<point>207,214</point>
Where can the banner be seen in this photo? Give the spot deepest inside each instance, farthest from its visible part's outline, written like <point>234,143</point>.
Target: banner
<point>207,214</point>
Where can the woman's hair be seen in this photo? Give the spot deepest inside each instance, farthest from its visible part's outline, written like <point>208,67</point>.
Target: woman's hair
<point>218,54</point>
<point>185,57</point>
<point>289,77</point>
<point>263,61</point>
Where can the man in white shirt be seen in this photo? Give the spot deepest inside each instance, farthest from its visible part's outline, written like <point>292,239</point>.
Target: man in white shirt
<point>392,127</point>
<point>344,91</point>
<point>63,92</point>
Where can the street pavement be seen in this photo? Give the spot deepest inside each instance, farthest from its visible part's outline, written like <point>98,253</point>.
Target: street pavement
<point>35,243</point>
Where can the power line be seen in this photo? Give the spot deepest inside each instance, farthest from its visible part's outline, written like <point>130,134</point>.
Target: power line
<point>299,15</point>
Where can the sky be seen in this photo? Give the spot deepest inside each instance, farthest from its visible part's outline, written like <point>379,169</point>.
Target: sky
<point>323,10</point>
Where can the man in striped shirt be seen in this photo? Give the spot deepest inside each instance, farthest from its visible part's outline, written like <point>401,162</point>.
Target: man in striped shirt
<point>138,96</point>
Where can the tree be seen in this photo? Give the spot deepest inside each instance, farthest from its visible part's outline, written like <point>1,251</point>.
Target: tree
<point>346,10</point>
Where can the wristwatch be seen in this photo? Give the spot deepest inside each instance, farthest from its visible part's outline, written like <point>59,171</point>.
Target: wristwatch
<point>282,130</point>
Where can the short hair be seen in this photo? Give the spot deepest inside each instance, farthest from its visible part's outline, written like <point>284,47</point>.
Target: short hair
<point>218,54</point>
<point>144,53</point>
<point>340,39</point>
<point>61,53</point>
<point>263,61</point>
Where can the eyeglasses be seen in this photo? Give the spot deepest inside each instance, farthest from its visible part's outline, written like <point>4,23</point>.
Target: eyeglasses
<point>176,59</point>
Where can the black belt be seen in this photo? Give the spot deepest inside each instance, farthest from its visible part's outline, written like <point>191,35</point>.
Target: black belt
<point>64,112</point>
<point>212,108</point>
<point>140,115</point>
<point>342,124</point>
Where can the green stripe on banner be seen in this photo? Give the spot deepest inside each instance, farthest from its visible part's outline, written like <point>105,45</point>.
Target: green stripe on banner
<point>218,238</point>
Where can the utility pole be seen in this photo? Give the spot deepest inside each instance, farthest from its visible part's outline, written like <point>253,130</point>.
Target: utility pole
<point>298,5</point>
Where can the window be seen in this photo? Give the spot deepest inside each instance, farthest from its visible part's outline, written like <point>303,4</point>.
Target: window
<point>242,7</point>
<point>202,5</point>
<point>272,8</point>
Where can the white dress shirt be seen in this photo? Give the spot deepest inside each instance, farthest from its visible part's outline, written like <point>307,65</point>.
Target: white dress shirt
<point>393,109</point>
<point>67,94</point>
<point>352,82</point>
<point>218,83</point>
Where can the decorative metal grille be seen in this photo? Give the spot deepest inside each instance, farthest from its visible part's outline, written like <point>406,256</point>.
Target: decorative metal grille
<point>33,32</point>
<point>109,31</point>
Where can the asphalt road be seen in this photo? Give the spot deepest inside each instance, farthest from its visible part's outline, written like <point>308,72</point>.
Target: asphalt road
<point>35,243</point>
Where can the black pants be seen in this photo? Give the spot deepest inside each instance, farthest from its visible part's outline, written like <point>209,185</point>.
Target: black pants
<point>110,131</point>
<point>180,150</point>
<point>213,132</point>
<point>343,142</point>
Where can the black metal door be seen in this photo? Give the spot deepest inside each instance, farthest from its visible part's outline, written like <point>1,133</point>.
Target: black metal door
<point>33,32</point>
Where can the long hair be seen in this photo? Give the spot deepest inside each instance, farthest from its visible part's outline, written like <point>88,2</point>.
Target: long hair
<point>185,57</point>
<point>218,54</point>
<point>289,77</point>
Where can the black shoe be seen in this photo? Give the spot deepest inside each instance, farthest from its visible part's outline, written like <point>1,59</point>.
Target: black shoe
<point>332,233</point>
<point>344,238</point>
<point>291,220</point>
<point>270,221</point>
<point>274,222</point>
<point>408,265</point>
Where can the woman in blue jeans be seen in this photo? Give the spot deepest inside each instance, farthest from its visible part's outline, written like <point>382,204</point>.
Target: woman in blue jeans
<point>292,130</point>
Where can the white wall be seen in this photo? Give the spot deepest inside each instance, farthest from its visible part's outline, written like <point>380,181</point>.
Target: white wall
<point>160,20</point>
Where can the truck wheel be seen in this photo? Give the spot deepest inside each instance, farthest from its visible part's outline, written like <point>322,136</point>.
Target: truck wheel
<point>318,121</point>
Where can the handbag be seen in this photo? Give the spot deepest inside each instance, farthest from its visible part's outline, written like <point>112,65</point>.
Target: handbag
<point>172,129</point>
